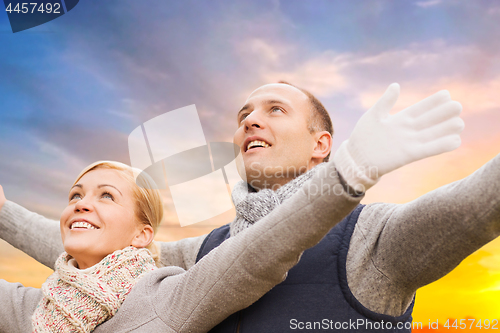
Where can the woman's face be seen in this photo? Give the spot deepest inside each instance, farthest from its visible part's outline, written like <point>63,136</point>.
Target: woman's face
<point>100,217</point>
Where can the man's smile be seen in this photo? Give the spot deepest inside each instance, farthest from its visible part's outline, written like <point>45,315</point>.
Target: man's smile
<point>255,142</point>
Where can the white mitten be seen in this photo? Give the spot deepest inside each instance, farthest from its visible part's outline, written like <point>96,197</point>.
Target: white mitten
<point>381,143</point>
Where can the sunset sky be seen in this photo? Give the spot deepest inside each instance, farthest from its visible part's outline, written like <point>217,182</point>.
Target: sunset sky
<point>73,89</point>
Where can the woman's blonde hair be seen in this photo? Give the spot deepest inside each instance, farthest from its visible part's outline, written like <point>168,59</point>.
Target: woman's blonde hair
<point>149,208</point>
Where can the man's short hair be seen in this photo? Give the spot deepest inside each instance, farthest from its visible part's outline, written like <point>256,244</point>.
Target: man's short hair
<point>319,119</point>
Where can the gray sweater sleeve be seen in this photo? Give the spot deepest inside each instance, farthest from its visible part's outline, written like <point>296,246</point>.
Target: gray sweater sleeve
<point>181,253</point>
<point>35,235</point>
<point>396,249</point>
<point>243,268</point>
<point>18,305</point>
<point>246,266</point>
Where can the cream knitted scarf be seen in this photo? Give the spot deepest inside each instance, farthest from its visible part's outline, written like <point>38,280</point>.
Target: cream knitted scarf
<point>78,300</point>
<point>251,205</point>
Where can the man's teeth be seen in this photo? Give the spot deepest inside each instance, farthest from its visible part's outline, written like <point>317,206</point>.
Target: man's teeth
<point>85,225</point>
<point>257,143</point>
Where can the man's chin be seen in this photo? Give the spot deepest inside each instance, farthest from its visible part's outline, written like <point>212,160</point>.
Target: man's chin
<point>256,171</point>
<point>264,178</point>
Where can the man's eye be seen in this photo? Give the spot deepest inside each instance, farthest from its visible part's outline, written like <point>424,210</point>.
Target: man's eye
<point>274,109</point>
<point>243,116</point>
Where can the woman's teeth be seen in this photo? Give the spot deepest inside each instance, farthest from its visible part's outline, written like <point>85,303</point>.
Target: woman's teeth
<point>84,225</point>
<point>257,143</point>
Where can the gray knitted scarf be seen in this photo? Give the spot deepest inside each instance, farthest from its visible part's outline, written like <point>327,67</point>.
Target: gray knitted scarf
<point>251,205</point>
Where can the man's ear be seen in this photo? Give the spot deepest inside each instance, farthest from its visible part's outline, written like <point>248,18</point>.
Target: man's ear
<point>323,145</point>
<point>144,236</point>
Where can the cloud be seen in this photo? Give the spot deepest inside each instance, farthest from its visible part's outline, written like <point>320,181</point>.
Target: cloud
<point>428,3</point>
<point>421,68</point>
<point>320,75</point>
<point>493,11</point>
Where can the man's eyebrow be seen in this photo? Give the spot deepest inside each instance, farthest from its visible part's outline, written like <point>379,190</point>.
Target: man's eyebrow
<point>269,101</point>
<point>274,101</point>
<point>103,185</point>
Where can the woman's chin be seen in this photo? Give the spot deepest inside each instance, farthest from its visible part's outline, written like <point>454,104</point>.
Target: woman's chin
<point>77,249</point>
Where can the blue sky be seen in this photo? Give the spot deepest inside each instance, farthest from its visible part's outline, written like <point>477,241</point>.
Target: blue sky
<point>74,88</point>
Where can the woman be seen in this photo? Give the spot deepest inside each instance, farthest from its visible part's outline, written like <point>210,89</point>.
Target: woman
<point>107,278</point>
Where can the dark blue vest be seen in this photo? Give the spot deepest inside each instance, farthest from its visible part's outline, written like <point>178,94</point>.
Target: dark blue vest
<point>314,297</point>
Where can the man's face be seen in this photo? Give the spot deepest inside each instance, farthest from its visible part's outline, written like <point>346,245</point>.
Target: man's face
<point>273,135</point>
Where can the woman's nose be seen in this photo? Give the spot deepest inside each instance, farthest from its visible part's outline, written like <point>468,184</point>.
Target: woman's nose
<point>83,205</point>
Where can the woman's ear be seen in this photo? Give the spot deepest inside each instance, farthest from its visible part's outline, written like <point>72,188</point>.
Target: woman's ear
<point>144,236</point>
<point>323,145</point>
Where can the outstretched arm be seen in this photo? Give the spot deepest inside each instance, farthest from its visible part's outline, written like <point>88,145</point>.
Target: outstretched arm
<point>18,305</point>
<point>243,268</point>
<point>388,255</point>
<point>31,233</point>
<point>397,249</point>
<point>181,253</point>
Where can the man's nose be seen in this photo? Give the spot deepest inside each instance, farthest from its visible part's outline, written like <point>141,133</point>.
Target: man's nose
<point>254,120</point>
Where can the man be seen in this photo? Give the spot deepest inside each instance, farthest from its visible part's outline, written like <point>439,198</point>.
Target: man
<point>363,275</point>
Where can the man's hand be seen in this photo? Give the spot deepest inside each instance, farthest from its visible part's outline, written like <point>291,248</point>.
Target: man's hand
<point>381,143</point>
<point>2,197</point>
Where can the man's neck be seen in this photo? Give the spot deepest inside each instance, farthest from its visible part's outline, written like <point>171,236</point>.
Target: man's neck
<point>276,183</point>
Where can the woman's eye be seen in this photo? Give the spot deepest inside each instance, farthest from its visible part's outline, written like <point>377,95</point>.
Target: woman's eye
<point>276,109</point>
<point>75,196</point>
<point>107,196</point>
